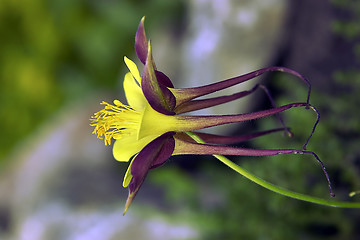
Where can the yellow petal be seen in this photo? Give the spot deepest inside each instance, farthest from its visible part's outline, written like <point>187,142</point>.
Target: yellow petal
<point>127,146</point>
<point>155,123</point>
<point>133,69</point>
<point>128,176</point>
<point>133,93</point>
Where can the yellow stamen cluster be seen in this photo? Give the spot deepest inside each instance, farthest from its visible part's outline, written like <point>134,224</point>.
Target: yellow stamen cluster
<point>115,121</point>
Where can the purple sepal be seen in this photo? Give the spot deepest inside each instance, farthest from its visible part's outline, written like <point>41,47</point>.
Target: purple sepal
<point>141,45</point>
<point>152,155</point>
<point>165,152</point>
<point>158,95</point>
<point>163,79</point>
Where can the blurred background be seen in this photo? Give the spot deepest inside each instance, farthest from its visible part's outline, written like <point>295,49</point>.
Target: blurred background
<point>60,59</point>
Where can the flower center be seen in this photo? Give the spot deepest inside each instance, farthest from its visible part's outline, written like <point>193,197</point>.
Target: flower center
<point>115,121</point>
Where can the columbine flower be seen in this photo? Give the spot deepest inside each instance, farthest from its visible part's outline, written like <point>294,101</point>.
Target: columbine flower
<point>152,127</point>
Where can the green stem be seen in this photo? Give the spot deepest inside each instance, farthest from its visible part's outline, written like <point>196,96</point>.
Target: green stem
<point>273,187</point>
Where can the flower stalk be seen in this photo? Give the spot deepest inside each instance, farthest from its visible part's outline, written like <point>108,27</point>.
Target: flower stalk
<point>274,188</point>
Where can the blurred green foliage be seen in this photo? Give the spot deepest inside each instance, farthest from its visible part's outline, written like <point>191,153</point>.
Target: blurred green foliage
<point>55,52</point>
<point>349,26</point>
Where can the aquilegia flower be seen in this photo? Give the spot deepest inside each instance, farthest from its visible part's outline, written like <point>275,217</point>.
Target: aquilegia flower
<point>152,127</point>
